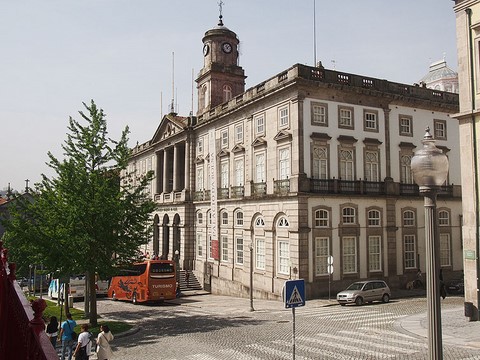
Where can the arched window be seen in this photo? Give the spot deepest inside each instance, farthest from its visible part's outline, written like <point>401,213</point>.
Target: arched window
<point>259,222</point>
<point>227,92</point>
<point>283,222</point>
<point>408,218</point>
<point>321,218</point>
<point>443,218</point>
<point>348,215</point>
<point>239,218</point>
<point>224,217</point>
<point>374,218</point>
<point>199,218</point>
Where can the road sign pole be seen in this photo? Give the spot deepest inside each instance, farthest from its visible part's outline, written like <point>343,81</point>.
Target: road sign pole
<point>293,334</point>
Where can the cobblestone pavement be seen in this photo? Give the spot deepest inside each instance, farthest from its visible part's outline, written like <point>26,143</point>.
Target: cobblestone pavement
<point>213,327</point>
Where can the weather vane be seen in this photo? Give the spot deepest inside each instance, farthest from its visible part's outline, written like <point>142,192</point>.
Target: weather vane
<point>220,4</point>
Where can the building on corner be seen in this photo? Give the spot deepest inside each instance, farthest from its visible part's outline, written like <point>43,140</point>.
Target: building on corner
<point>307,167</point>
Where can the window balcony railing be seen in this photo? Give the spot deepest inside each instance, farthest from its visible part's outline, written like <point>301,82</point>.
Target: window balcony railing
<point>222,193</point>
<point>339,186</point>
<point>409,189</point>
<point>237,192</point>
<point>281,187</point>
<point>201,195</point>
<point>259,189</point>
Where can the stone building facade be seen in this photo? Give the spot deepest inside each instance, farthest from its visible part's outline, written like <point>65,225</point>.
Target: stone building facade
<point>309,167</point>
<point>468,47</point>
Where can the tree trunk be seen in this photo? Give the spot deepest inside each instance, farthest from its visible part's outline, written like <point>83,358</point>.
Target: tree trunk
<point>93,298</point>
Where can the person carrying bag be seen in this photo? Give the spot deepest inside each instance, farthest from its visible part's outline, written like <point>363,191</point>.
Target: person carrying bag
<point>104,351</point>
<point>84,347</point>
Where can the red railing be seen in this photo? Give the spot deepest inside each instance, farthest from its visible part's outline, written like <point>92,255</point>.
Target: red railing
<point>22,329</point>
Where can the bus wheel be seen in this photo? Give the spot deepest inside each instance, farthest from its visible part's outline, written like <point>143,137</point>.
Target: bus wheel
<point>114,297</point>
<point>134,299</point>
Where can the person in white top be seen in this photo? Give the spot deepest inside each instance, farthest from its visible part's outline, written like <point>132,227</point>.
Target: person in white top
<point>104,351</point>
<point>84,346</point>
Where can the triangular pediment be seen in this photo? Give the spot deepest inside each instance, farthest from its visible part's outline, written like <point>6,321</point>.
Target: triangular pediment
<point>199,159</point>
<point>282,135</point>
<point>223,152</point>
<point>238,148</point>
<point>170,125</point>
<point>259,142</point>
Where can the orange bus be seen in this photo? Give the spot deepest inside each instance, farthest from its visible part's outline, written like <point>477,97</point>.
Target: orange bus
<point>152,280</point>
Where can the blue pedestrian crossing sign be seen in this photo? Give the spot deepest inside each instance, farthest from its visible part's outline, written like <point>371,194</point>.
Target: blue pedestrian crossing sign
<point>294,293</point>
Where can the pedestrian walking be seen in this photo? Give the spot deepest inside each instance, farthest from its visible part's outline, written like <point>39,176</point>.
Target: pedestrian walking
<point>84,346</point>
<point>52,330</point>
<point>443,289</point>
<point>66,336</point>
<point>104,350</point>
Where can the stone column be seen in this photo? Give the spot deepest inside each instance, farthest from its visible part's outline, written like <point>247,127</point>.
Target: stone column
<point>165,171</point>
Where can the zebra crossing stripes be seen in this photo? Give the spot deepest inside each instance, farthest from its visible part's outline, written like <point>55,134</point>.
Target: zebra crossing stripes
<point>377,346</point>
<point>279,354</point>
<point>325,354</point>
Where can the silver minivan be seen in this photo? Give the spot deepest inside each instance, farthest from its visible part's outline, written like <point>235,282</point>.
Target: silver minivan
<point>361,292</point>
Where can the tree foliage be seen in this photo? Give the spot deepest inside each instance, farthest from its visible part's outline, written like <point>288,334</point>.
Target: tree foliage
<point>93,215</point>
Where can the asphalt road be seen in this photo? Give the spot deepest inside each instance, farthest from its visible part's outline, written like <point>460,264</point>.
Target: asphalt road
<point>211,327</point>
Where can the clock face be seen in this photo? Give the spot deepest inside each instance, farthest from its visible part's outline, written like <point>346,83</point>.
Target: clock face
<point>227,48</point>
<point>206,49</point>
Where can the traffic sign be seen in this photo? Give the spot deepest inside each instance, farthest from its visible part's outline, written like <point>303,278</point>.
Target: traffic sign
<point>294,293</point>
<point>330,260</point>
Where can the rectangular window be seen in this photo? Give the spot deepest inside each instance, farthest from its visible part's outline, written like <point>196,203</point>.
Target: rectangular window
<point>199,179</point>
<point>210,248</point>
<point>319,114</point>
<point>409,250</point>
<point>199,245</point>
<point>239,173</point>
<point>405,125</point>
<point>259,125</point>
<point>224,174</point>
<point>283,257</point>
<point>260,253</point>
<point>370,120</point>
<point>320,162</point>
<point>224,139</point>
<point>284,164</point>
<point>239,250</point>
<point>349,247</point>
<point>374,253</point>
<point>440,129</point>
<point>200,146</point>
<point>283,117</point>
<point>346,164</point>
<point>445,253</point>
<point>345,117</point>
<point>239,134</point>
<point>260,175</point>
<point>371,166</point>
<point>224,248</point>
<point>322,251</point>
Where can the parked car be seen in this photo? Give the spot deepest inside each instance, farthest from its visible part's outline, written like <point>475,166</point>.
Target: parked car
<point>456,287</point>
<point>361,292</point>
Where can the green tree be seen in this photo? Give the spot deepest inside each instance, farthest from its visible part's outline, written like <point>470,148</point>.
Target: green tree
<point>92,215</point>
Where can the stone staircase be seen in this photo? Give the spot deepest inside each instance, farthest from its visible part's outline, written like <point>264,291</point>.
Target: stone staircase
<point>188,281</point>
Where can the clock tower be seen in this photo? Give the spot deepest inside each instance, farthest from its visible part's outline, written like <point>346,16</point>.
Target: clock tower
<point>221,78</point>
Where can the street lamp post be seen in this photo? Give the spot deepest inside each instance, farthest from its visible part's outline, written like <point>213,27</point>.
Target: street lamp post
<point>429,169</point>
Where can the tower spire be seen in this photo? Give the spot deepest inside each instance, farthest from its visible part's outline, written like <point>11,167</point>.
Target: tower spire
<point>220,17</point>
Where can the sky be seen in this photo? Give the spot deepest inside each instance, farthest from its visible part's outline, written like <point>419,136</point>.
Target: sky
<point>132,56</point>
